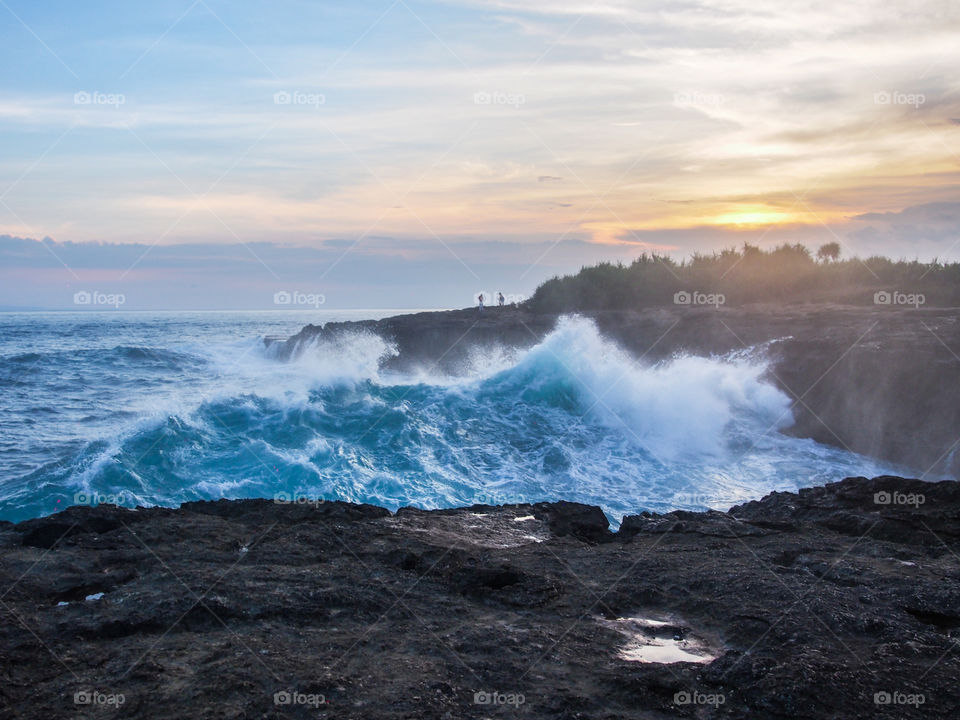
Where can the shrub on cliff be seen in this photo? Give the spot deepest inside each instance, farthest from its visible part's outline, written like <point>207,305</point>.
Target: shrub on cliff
<point>787,273</point>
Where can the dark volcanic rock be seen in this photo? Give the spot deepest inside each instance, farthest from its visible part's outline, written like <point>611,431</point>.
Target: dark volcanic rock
<point>840,601</point>
<point>77,520</point>
<point>909,512</point>
<point>585,522</point>
<point>260,510</point>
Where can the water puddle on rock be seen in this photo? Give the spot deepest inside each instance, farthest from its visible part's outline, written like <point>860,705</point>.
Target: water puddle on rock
<point>661,641</point>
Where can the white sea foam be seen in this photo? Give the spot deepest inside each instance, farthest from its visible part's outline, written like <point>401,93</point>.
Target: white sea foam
<point>680,407</point>
<point>573,417</point>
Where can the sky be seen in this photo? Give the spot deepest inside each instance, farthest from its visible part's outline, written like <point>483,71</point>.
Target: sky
<point>214,154</point>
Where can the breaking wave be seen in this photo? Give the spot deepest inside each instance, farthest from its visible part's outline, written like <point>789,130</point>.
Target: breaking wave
<point>573,418</point>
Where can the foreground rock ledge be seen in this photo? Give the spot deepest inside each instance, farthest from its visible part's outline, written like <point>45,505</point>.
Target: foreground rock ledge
<point>840,601</point>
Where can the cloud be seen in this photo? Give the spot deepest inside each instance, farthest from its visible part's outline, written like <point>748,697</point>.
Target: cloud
<point>927,230</point>
<point>717,102</point>
<point>941,214</point>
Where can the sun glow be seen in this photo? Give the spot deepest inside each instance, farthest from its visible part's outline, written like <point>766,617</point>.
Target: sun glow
<point>753,218</point>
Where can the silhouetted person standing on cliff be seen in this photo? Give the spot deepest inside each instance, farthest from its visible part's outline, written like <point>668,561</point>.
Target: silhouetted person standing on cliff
<point>480,300</point>
<point>500,299</point>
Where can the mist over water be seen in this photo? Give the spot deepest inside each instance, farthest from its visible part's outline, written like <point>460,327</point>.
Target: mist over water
<point>161,409</point>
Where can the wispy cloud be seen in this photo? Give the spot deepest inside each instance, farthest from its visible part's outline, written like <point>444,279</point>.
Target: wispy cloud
<point>477,119</point>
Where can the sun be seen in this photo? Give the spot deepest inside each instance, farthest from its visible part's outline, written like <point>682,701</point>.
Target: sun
<point>753,218</point>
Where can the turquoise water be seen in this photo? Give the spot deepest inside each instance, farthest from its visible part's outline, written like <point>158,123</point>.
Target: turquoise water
<point>162,408</point>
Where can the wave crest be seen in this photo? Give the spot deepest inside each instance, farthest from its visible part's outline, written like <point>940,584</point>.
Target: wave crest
<point>574,417</point>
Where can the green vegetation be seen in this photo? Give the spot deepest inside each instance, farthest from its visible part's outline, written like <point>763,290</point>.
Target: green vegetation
<point>788,273</point>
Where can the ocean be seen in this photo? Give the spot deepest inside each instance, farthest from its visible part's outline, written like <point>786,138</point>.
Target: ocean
<point>160,408</point>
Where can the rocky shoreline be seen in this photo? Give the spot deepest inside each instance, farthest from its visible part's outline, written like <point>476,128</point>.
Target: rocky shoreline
<point>838,601</point>
<point>883,381</point>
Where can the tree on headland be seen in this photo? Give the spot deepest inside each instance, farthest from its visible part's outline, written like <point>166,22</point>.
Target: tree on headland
<point>784,273</point>
<point>829,251</point>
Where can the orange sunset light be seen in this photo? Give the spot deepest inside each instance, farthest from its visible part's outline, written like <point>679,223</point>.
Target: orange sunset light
<point>754,218</point>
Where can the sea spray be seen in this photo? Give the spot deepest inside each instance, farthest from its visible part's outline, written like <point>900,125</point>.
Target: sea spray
<point>683,408</point>
<point>575,417</point>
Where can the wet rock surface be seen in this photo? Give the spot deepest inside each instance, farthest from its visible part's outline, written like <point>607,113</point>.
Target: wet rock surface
<point>883,381</point>
<point>841,601</point>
